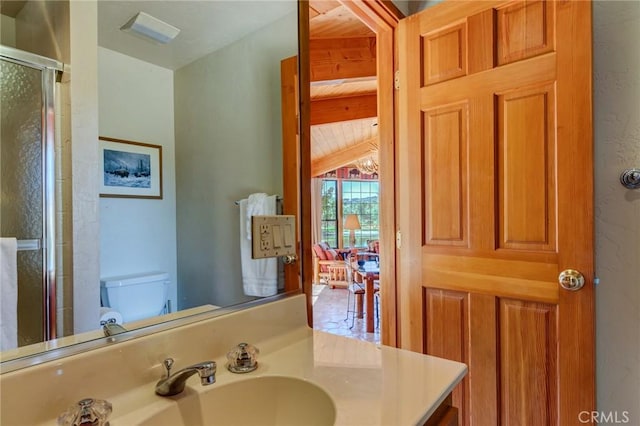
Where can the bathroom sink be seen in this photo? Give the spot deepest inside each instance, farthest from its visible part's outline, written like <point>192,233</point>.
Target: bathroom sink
<point>263,401</point>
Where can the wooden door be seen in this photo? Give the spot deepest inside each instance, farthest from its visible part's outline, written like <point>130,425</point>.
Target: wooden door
<point>495,200</point>
<point>290,159</point>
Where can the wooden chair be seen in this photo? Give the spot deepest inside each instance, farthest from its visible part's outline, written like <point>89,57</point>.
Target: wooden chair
<point>328,269</point>
<point>356,291</point>
<point>337,275</point>
<point>376,296</point>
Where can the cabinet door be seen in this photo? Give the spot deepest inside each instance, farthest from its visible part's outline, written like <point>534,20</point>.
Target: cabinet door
<point>495,200</point>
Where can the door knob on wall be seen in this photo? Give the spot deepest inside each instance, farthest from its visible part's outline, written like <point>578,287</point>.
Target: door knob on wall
<point>630,178</point>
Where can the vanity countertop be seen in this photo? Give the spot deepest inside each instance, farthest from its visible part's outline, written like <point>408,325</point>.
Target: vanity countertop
<point>369,384</point>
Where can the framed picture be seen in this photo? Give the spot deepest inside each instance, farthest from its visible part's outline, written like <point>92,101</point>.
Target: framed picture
<point>130,169</point>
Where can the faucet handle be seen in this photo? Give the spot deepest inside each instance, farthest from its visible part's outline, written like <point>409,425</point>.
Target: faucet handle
<point>243,358</point>
<point>168,363</point>
<point>88,411</point>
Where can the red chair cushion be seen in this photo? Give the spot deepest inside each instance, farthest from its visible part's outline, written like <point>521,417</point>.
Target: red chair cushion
<point>319,251</point>
<point>332,254</point>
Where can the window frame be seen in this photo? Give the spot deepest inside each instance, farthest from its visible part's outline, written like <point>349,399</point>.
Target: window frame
<point>341,238</point>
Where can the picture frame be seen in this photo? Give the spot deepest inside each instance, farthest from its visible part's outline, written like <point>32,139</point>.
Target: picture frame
<point>130,169</point>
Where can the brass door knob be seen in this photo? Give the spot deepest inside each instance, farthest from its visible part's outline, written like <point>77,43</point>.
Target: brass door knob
<point>289,259</point>
<point>570,279</point>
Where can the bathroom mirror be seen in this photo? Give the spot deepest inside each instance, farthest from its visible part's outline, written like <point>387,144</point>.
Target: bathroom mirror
<point>213,106</point>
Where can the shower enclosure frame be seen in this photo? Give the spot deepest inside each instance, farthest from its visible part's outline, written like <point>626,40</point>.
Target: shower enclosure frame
<point>51,72</point>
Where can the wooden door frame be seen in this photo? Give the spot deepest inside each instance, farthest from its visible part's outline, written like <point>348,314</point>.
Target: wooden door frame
<point>304,105</point>
<point>290,158</point>
<point>382,17</point>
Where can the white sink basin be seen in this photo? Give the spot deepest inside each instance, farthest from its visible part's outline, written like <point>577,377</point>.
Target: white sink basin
<point>258,401</point>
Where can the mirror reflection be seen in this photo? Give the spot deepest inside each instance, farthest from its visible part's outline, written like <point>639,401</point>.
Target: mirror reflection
<point>206,106</point>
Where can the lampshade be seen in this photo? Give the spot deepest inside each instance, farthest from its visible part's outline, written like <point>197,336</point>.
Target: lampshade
<point>150,28</point>
<point>351,222</point>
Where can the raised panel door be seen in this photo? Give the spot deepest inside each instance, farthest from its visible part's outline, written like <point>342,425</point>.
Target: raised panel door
<point>494,163</point>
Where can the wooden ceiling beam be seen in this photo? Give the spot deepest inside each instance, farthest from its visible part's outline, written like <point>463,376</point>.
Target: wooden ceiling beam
<point>319,7</point>
<point>378,15</point>
<point>341,158</point>
<point>332,110</point>
<point>340,58</point>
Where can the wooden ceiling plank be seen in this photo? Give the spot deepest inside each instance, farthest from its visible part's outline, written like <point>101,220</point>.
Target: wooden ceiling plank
<point>343,69</point>
<point>335,59</point>
<point>324,6</point>
<point>331,49</point>
<point>346,88</point>
<point>376,15</point>
<point>343,109</point>
<point>328,21</point>
<point>326,135</point>
<point>313,13</point>
<point>323,142</point>
<point>348,132</point>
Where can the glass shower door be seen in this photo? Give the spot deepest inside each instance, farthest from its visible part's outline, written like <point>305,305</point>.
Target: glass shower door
<point>27,207</point>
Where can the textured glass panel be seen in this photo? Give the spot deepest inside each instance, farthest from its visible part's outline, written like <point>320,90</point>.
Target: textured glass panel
<point>30,297</point>
<point>21,185</point>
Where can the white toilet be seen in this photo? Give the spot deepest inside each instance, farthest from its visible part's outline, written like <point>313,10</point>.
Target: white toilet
<point>136,296</point>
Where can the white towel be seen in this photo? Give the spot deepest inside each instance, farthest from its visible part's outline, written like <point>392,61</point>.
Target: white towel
<point>259,276</point>
<point>8,293</point>
<point>256,205</point>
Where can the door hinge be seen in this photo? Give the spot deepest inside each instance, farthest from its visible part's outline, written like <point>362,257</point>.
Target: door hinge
<point>396,80</point>
<point>398,239</point>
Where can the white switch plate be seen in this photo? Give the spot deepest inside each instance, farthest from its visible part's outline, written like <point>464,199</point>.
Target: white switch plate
<point>273,236</point>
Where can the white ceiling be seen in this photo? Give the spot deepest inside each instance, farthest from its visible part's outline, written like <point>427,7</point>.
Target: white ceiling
<point>205,26</point>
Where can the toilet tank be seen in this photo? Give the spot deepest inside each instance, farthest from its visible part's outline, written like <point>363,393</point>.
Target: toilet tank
<point>136,296</point>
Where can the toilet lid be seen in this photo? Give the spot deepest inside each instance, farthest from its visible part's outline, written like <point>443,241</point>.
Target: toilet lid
<point>133,279</point>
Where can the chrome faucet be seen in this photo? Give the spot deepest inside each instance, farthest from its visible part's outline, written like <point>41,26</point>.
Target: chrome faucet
<point>112,328</point>
<point>173,384</point>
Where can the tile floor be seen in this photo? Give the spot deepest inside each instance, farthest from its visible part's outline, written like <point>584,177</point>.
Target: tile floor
<point>330,311</point>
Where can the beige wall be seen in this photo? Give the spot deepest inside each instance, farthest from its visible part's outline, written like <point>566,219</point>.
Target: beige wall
<point>84,135</point>
<point>228,146</point>
<point>7,31</point>
<point>136,103</point>
<point>42,27</point>
<point>616,31</point>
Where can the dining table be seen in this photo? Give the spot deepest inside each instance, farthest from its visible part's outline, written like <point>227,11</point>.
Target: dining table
<point>367,255</point>
<point>369,271</point>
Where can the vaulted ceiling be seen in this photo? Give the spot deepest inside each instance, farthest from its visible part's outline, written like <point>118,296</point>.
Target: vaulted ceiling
<point>343,87</point>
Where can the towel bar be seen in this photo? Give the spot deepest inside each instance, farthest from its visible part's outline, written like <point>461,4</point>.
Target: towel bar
<point>27,245</point>
<point>278,199</point>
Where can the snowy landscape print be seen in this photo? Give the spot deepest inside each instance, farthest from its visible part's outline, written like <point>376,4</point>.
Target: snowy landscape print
<point>127,169</point>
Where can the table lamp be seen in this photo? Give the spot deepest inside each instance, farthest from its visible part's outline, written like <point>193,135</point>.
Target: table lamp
<point>352,223</point>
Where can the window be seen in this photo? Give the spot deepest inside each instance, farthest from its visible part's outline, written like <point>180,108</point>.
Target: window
<point>330,212</point>
<point>341,197</point>
<point>361,198</point>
